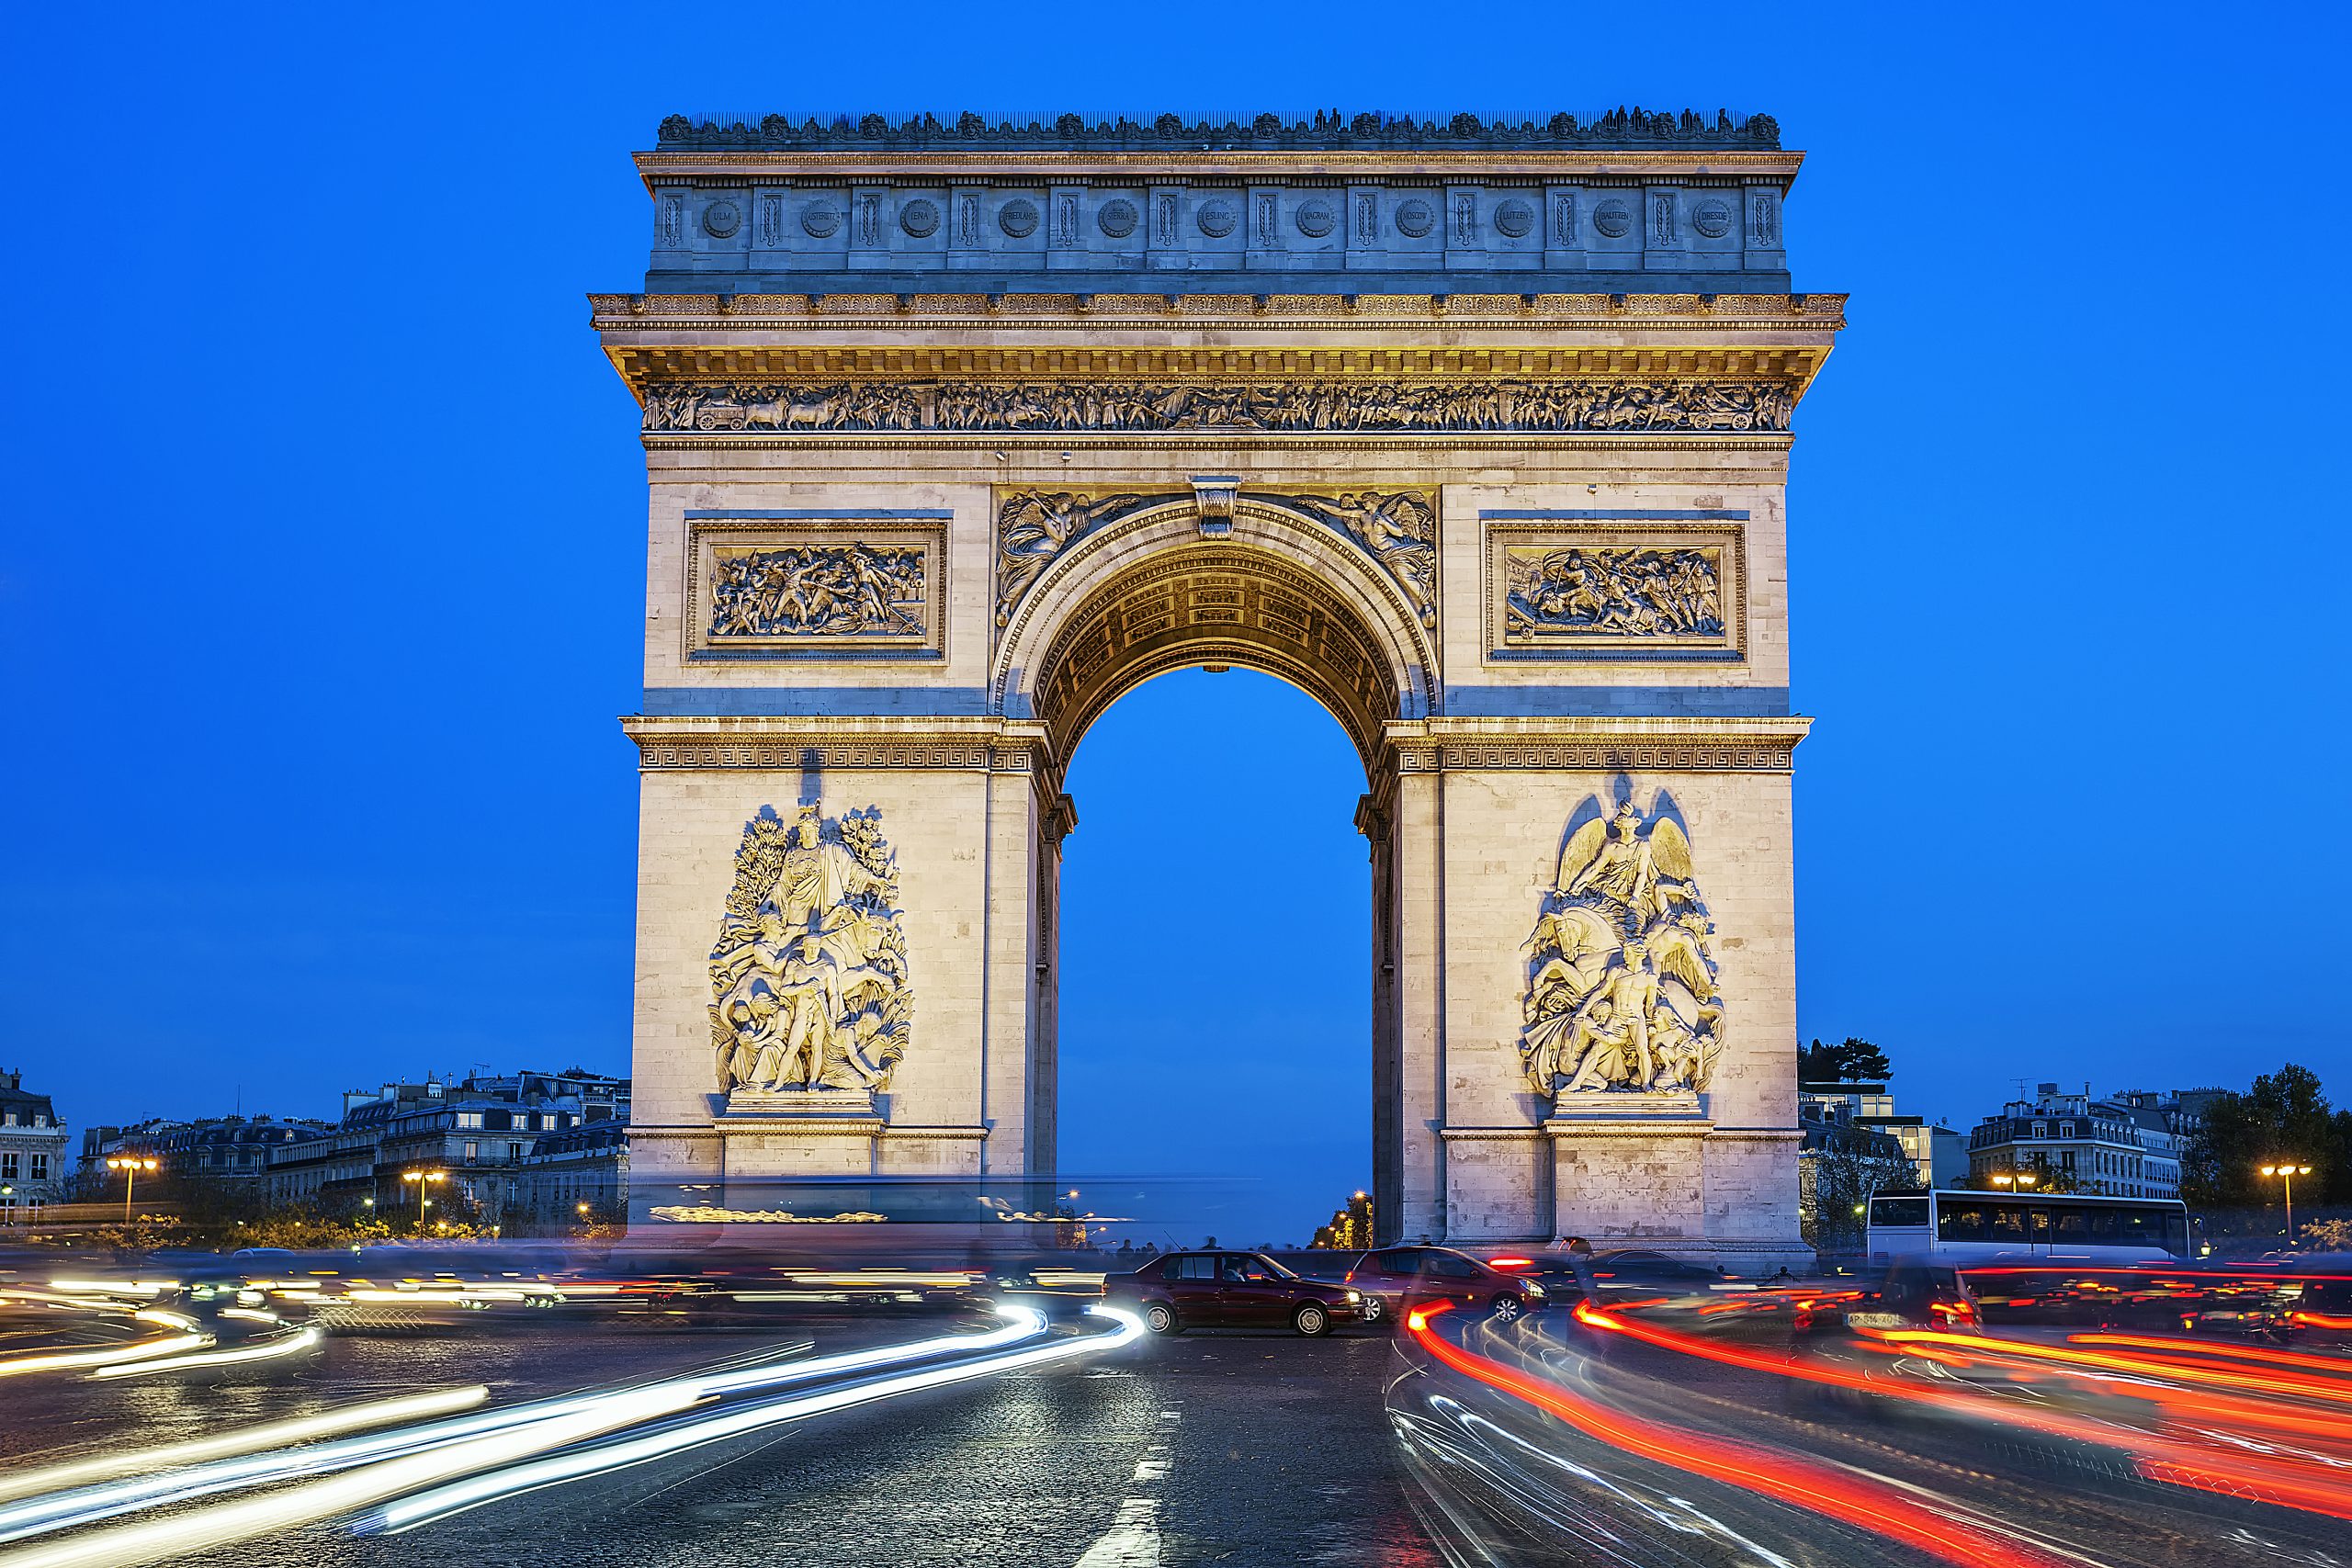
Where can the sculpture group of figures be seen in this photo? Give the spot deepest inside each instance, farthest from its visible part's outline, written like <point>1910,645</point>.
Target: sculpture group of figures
<point>1398,531</point>
<point>1621,993</point>
<point>808,976</point>
<point>853,589</point>
<point>1626,589</point>
<point>1537,406</point>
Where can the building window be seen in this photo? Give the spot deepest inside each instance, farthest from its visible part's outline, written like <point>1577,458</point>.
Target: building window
<point>40,1167</point>
<point>8,1165</point>
<point>2066,1161</point>
<point>473,1151</point>
<point>32,1210</point>
<point>469,1118</point>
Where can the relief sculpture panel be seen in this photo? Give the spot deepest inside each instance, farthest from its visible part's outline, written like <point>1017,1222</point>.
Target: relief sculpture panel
<point>1600,592</point>
<point>1537,406</point>
<point>762,589</point>
<point>1621,996</point>
<point>809,998</point>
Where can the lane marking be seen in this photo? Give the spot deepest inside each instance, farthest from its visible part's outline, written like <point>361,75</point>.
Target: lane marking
<point>1133,1539</point>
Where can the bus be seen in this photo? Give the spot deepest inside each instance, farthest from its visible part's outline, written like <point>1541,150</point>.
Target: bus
<point>1960,1226</point>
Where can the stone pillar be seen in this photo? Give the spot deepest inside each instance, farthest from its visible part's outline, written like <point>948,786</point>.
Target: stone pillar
<point>1419,1006</point>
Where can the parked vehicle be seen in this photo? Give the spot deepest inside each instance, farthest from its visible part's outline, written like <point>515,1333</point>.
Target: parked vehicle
<point>1230,1290</point>
<point>1395,1279</point>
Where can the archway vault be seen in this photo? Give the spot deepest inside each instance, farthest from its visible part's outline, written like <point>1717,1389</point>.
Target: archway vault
<point>1280,592</point>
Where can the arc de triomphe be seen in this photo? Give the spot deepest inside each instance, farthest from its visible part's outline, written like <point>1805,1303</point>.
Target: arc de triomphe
<point>1478,432</point>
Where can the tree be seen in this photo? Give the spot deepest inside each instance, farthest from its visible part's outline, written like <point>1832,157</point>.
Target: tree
<point>1851,1060</point>
<point>1846,1173</point>
<point>2284,1116</point>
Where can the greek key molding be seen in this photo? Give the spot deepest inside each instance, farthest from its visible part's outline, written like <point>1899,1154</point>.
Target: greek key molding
<point>785,744</point>
<point>1695,757</point>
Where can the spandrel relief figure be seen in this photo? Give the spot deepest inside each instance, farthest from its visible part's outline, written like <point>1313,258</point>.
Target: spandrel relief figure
<point>1034,527</point>
<point>1622,990</point>
<point>809,975</point>
<point>1397,531</point>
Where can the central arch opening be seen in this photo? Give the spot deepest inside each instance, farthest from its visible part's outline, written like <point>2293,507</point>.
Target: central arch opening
<point>1213,1011</point>
<point>1212,925</point>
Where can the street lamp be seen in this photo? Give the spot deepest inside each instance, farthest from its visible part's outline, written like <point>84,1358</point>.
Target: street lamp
<point>2287,1173</point>
<point>421,1177</point>
<point>131,1166</point>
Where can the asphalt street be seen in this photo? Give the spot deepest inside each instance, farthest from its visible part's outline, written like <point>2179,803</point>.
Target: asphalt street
<point>1215,1448</point>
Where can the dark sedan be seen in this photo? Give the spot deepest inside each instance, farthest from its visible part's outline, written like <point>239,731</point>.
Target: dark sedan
<point>1229,1289</point>
<point>1395,1279</point>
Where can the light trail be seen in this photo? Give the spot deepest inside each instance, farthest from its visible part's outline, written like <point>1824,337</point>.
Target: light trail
<point>2333,1392</point>
<point>185,1336</point>
<point>244,1440</point>
<point>92,1505</point>
<point>221,1524</point>
<point>2338,1365</point>
<point>1879,1508</point>
<point>291,1344</point>
<point>409,1512</point>
<point>2208,1461</point>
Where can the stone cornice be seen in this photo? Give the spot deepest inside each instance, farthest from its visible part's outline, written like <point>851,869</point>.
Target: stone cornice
<point>1649,745</point>
<point>1377,131</point>
<point>972,744</point>
<point>1157,312</point>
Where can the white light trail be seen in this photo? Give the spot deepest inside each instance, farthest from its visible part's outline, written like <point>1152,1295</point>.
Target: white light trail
<point>129,1546</point>
<point>409,1512</point>
<point>279,1344</point>
<point>244,1440</point>
<point>90,1504</point>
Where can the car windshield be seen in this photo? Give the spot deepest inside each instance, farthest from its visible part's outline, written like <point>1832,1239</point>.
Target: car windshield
<point>1257,1265</point>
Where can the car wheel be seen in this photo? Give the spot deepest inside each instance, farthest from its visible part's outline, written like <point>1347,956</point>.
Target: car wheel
<point>1160,1318</point>
<point>1509,1309</point>
<point>1374,1310</point>
<point>1311,1320</point>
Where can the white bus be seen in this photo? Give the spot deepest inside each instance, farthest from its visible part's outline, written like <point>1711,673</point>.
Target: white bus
<point>1960,1226</point>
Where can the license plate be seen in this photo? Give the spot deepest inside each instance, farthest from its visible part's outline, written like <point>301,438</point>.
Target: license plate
<point>1875,1319</point>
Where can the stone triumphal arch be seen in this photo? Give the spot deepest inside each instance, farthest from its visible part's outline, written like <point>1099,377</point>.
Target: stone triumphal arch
<point>1476,432</point>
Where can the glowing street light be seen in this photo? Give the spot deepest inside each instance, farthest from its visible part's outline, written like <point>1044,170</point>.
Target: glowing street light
<point>2287,1173</point>
<point>2021,1179</point>
<point>421,1177</point>
<point>131,1166</point>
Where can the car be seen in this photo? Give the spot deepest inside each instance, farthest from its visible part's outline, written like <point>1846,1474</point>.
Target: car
<point>1230,1290</point>
<point>1395,1279</point>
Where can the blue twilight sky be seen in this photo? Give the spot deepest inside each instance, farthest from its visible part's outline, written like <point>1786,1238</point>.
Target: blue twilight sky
<point>324,552</point>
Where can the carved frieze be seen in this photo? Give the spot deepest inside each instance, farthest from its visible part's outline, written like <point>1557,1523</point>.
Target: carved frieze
<point>760,588</point>
<point>1622,997</point>
<point>1567,591</point>
<point>1600,406</point>
<point>808,982</point>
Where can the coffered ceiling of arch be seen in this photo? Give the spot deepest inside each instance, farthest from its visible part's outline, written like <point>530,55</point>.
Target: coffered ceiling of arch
<point>1214,605</point>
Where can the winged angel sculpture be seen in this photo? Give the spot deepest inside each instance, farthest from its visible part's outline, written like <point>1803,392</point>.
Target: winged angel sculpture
<point>1621,990</point>
<point>808,976</point>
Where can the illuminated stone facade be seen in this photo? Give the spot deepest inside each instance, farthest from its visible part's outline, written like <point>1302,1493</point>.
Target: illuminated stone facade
<point>1478,434</point>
